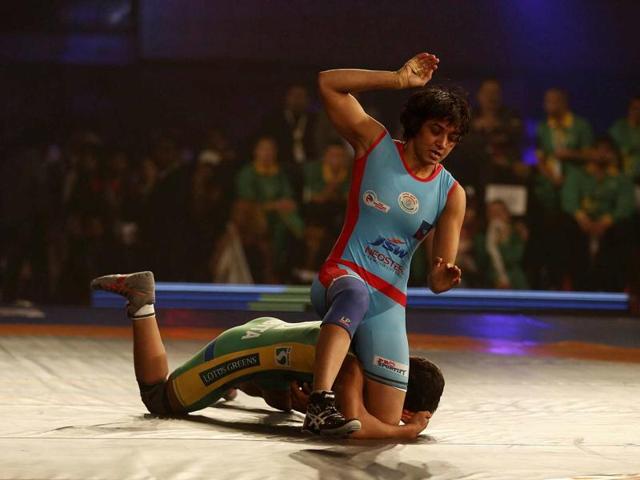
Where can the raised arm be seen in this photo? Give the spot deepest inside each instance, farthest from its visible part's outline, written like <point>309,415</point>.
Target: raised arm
<point>444,273</point>
<point>346,113</point>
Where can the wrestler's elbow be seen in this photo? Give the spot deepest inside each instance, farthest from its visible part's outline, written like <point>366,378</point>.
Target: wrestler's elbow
<point>280,400</point>
<point>323,83</point>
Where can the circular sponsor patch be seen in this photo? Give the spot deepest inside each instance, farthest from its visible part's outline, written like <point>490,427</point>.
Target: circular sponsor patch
<point>408,202</point>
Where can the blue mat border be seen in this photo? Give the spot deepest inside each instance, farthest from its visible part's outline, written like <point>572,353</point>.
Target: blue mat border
<point>296,298</point>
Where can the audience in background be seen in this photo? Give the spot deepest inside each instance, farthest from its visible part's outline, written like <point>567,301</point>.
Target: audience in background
<point>25,209</point>
<point>192,210</point>
<point>599,199</point>
<point>164,223</point>
<point>626,133</point>
<point>244,253</point>
<point>292,127</point>
<point>500,132</point>
<point>500,250</point>
<point>265,183</point>
<point>466,258</point>
<point>326,186</point>
<point>563,142</point>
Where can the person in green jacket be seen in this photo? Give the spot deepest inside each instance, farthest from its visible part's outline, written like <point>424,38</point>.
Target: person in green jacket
<point>563,143</point>
<point>264,183</point>
<point>326,187</point>
<point>626,133</point>
<point>600,201</point>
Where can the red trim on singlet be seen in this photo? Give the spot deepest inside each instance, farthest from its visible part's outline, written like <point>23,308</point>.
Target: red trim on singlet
<point>451,189</point>
<point>378,283</point>
<point>373,145</point>
<point>329,272</point>
<point>331,269</point>
<point>434,174</point>
<point>353,203</point>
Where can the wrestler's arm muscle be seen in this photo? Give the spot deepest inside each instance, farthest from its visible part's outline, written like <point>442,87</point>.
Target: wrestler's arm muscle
<point>345,112</point>
<point>444,273</point>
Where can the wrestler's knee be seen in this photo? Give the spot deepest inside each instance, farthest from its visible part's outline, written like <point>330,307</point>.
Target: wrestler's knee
<point>349,299</point>
<point>352,291</point>
<point>155,398</point>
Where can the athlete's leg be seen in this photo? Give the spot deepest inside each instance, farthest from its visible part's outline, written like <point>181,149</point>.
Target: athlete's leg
<point>343,305</point>
<point>149,355</point>
<point>184,390</point>
<point>383,401</point>
<point>333,345</point>
<point>347,299</point>
<point>381,346</point>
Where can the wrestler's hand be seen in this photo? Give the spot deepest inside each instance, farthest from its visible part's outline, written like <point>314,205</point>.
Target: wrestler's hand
<point>417,421</point>
<point>418,71</point>
<point>443,276</point>
<point>300,396</point>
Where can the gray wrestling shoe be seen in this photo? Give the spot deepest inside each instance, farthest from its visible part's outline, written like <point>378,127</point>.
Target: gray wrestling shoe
<point>138,288</point>
<point>324,418</point>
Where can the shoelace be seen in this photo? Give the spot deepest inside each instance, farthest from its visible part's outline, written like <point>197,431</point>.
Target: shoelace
<point>333,411</point>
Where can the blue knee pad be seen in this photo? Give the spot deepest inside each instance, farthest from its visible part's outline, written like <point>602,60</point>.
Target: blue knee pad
<point>348,300</point>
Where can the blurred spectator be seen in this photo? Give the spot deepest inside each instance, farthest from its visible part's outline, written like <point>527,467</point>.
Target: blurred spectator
<point>326,186</point>
<point>164,224</point>
<point>122,201</point>
<point>265,184</point>
<point>87,224</point>
<point>600,201</point>
<point>563,142</point>
<point>24,205</point>
<point>244,254</point>
<point>293,126</point>
<point>500,133</point>
<point>501,249</point>
<point>466,258</point>
<point>217,158</point>
<point>626,133</point>
<point>209,209</point>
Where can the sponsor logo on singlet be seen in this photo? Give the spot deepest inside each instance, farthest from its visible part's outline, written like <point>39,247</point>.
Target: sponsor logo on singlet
<point>391,365</point>
<point>283,356</point>
<point>408,202</point>
<point>393,247</point>
<point>214,374</point>
<point>370,199</point>
<point>423,230</point>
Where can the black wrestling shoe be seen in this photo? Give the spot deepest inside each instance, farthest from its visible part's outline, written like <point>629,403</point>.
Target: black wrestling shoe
<point>324,418</point>
<point>138,288</point>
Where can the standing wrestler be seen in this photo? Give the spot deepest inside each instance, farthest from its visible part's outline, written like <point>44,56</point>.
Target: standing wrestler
<point>400,194</point>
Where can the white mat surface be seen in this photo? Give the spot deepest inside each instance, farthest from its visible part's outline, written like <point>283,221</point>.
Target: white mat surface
<point>70,410</point>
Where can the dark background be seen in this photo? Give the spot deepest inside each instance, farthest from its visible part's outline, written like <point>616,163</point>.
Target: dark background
<point>152,63</point>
